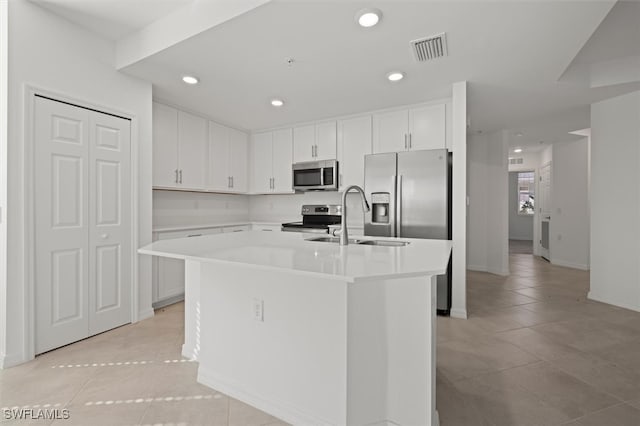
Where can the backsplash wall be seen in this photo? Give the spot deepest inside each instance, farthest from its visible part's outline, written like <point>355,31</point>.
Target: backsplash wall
<point>177,208</point>
<point>286,207</point>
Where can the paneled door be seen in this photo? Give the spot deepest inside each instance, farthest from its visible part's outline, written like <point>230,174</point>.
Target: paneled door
<point>109,222</point>
<point>82,223</point>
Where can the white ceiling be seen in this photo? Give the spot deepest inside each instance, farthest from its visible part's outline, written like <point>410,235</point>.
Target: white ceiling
<point>512,54</point>
<point>112,19</point>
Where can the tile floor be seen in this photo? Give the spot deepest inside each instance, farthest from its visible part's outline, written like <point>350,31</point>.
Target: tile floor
<point>534,351</point>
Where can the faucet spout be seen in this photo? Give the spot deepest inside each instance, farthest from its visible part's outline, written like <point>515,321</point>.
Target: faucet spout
<point>344,234</point>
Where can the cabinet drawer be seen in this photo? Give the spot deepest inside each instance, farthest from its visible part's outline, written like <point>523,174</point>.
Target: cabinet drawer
<point>239,228</point>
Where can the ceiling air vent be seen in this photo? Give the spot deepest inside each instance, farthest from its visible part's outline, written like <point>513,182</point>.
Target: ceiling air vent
<point>427,48</point>
<point>516,160</point>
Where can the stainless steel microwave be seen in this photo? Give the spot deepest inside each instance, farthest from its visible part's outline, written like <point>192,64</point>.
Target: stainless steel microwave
<point>316,176</point>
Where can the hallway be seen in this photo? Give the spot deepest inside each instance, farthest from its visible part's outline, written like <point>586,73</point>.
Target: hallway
<point>535,351</point>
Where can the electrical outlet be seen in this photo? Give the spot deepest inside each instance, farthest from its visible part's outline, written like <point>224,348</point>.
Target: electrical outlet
<point>258,310</point>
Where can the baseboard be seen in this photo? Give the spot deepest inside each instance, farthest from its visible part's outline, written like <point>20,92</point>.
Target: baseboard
<point>189,352</point>
<point>570,264</point>
<point>458,313</point>
<point>276,408</point>
<point>595,297</point>
<point>11,360</point>
<point>500,272</point>
<point>477,268</point>
<point>147,313</point>
<point>169,301</point>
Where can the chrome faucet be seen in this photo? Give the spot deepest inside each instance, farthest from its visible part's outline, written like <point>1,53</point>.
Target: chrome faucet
<point>344,234</point>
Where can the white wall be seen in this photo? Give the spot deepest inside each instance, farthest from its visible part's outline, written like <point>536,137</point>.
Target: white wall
<point>177,208</point>
<point>48,52</point>
<point>4,69</point>
<point>487,221</point>
<point>569,232</point>
<point>286,208</point>
<point>531,161</point>
<point>615,201</point>
<point>520,226</point>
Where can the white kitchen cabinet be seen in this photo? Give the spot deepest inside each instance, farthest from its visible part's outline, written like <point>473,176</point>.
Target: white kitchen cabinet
<point>168,274</point>
<point>272,156</point>
<point>421,127</point>
<point>390,131</point>
<point>304,143</point>
<point>236,228</point>
<point>228,149</point>
<point>266,227</point>
<point>282,159</point>
<point>165,146</point>
<point>326,138</point>
<point>192,151</point>
<point>179,149</point>
<point>354,142</point>
<point>314,142</point>
<point>427,127</point>
<point>262,160</point>
<point>239,160</point>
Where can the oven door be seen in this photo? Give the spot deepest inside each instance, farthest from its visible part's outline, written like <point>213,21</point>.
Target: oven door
<point>316,176</point>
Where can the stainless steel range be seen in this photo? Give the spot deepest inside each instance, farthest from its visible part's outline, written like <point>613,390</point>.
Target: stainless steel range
<point>316,219</point>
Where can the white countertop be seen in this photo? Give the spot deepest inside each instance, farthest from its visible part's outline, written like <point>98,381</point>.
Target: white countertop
<point>171,228</point>
<point>292,252</point>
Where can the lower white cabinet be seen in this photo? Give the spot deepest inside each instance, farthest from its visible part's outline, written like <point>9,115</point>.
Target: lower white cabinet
<point>266,227</point>
<point>238,228</point>
<point>168,274</point>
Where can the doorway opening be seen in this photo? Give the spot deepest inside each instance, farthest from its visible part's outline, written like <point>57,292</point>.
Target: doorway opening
<point>522,204</point>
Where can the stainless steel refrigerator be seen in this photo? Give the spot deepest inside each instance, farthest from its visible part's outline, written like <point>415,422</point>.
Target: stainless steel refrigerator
<point>410,196</point>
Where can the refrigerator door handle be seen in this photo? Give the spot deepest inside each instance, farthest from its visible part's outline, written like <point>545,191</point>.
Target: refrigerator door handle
<point>398,231</point>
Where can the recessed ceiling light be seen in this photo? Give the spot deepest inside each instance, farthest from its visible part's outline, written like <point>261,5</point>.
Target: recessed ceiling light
<point>368,17</point>
<point>395,76</point>
<point>277,102</point>
<point>517,150</point>
<point>189,79</point>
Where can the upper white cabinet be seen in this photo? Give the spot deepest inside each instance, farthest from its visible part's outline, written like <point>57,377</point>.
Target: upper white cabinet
<point>314,142</point>
<point>272,155</point>
<point>228,157</point>
<point>179,149</point>
<point>165,146</point>
<point>422,127</point>
<point>427,127</point>
<point>354,142</point>
<point>282,159</point>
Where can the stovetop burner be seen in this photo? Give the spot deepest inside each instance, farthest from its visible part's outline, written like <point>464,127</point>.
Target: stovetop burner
<point>316,218</point>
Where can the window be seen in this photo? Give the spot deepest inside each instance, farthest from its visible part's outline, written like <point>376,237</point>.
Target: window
<point>526,192</point>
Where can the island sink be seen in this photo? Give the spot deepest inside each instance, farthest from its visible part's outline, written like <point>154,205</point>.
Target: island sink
<point>385,243</point>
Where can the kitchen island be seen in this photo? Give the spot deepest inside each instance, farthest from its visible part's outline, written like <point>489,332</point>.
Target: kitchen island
<point>310,331</point>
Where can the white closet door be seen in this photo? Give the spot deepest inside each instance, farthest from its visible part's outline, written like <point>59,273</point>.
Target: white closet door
<point>62,223</point>
<point>109,222</point>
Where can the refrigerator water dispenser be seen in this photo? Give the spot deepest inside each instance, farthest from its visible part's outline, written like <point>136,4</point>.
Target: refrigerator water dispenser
<point>380,210</point>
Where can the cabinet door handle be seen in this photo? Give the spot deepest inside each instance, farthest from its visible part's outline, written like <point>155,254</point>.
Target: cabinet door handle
<point>194,235</point>
<point>405,141</point>
<point>410,137</point>
<point>231,181</point>
<point>340,180</point>
<point>180,173</point>
<point>176,175</point>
